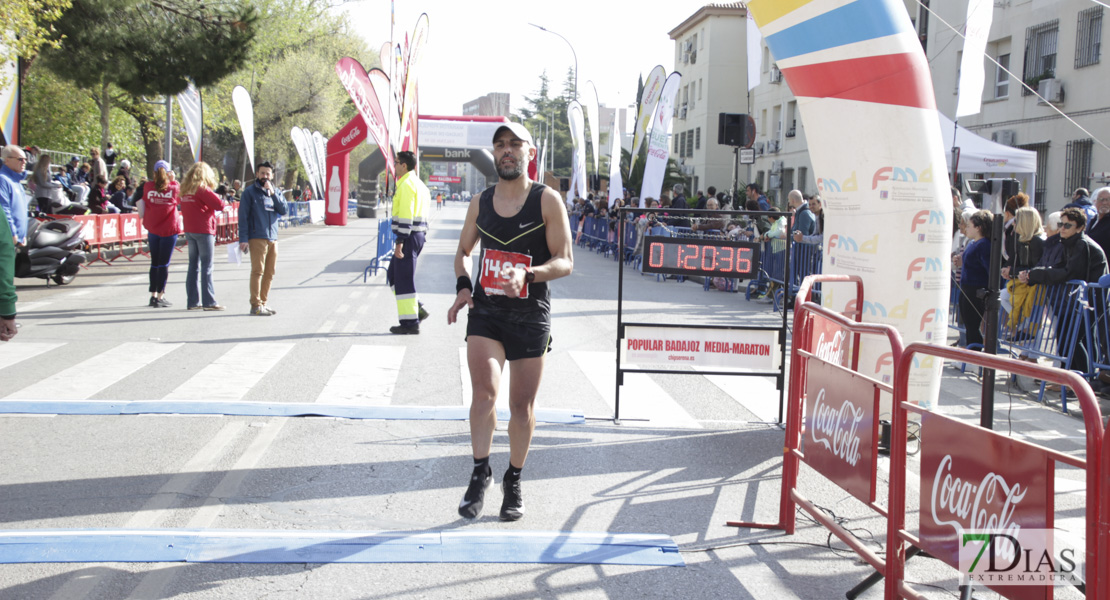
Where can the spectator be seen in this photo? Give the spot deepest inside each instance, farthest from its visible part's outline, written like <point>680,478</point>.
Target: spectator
<point>804,220</point>
<point>32,153</point>
<point>1053,250</point>
<point>8,327</point>
<point>259,211</point>
<point>1099,230</point>
<point>959,203</point>
<point>1009,211</point>
<point>99,197</point>
<point>974,266</point>
<point>48,191</point>
<point>12,199</point>
<point>700,203</point>
<point>817,208</point>
<point>125,171</point>
<point>97,166</point>
<point>1081,199</point>
<point>714,222</point>
<point>1082,259</point>
<point>679,200</point>
<point>1029,236</point>
<point>199,207</point>
<point>72,166</point>
<point>158,209</point>
<point>110,156</point>
<point>236,189</point>
<point>119,197</point>
<point>755,194</point>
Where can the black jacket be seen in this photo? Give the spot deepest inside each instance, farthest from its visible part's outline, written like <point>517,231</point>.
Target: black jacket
<point>1100,233</point>
<point>1082,259</point>
<point>1026,255</point>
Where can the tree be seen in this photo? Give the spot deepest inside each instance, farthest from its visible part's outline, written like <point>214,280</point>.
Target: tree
<point>26,28</point>
<point>544,112</point>
<point>148,48</point>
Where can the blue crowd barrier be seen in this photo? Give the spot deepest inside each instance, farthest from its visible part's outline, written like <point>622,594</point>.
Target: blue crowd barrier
<point>386,241</point>
<point>296,214</point>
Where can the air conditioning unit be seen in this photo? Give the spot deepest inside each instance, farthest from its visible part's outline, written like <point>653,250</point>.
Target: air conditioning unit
<point>1006,137</point>
<point>776,74</point>
<point>694,57</point>
<point>776,167</point>
<point>685,58</point>
<point>1051,90</point>
<point>689,47</point>
<point>775,182</point>
<point>759,148</point>
<point>773,146</point>
<point>687,169</point>
<point>682,112</point>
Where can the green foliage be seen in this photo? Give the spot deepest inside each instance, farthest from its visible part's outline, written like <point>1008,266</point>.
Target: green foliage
<point>65,118</point>
<point>546,113</point>
<point>150,48</point>
<point>26,28</point>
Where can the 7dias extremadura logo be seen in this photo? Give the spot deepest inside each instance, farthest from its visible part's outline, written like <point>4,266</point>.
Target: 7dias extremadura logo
<point>1018,556</point>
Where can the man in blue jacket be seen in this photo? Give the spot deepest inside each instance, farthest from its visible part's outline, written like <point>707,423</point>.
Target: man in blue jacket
<point>12,198</point>
<point>259,212</point>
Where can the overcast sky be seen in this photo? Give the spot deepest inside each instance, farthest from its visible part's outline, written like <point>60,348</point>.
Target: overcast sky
<point>477,47</point>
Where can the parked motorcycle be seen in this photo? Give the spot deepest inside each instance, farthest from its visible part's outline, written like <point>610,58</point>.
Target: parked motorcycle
<point>54,250</point>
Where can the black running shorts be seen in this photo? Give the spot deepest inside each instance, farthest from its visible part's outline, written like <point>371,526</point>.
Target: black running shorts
<point>521,337</point>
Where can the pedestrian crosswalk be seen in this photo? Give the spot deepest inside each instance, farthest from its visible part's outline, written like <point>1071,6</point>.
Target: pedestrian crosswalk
<point>361,374</point>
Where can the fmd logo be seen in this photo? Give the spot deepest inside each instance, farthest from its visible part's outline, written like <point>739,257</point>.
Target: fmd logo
<point>832,185</point>
<point>927,217</point>
<point>887,359</point>
<point>923,264</point>
<point>848,244</point>
<point>901,174</point>
<point>900,311</point>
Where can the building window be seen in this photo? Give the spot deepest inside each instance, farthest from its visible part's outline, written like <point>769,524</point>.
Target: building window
<point>697,139</point>
<point>1040,54</point>
<point>1042,173</point>
<point>802,172</point>
<point>690,143</point>
<point>1088,37</point>
<point>1001,78</point>
<point>759,179</point>
<point>788,179</point>
<point>1077,165</point>
<point>701,88</point>
<point>675,149</point>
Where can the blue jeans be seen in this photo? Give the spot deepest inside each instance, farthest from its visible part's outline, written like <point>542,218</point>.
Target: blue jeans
<point>201,248</point>
<point>161,251</point>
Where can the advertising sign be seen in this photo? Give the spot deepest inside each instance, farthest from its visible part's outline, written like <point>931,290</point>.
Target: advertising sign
<point>839,435</point>
<point>975,479</point>
<point>741,350</point>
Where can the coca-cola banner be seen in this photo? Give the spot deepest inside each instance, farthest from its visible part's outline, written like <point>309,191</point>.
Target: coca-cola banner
<point>974,478</point>
<point>839,439</point>
<point>337,168</point>
<point>649,97</point>
<point>655,166</point>
<point>831,342</point>
<point>357,83</point>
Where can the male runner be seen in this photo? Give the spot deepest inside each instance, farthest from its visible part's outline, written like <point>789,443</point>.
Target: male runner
<point>526,242</point>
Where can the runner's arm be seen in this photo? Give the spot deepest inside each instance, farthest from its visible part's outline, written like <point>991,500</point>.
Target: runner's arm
<point>559,243</point>
<point>468,241</point>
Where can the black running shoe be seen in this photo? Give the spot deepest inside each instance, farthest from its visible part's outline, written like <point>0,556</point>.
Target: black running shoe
<point>471,505</point>
<point>512,507</point>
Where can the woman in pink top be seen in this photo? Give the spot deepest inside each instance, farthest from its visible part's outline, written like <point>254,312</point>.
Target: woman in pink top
<point>158,208</point>
<point>199,207</point>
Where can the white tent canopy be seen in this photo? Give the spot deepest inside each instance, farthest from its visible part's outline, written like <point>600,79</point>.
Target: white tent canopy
<point>980,155</point>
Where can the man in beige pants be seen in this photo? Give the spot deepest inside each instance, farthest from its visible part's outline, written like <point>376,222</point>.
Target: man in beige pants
<point>259,212</point>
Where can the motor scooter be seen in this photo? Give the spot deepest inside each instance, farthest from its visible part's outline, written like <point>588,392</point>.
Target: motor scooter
<point>54,251</point>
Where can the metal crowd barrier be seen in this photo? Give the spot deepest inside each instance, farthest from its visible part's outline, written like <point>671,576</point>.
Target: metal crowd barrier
<point>386,241</point>
<point>1010,482</point>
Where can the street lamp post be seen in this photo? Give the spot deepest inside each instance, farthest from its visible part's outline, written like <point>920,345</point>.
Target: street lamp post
<point>575,54</point>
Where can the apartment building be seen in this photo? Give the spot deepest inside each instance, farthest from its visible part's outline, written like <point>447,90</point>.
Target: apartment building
<point>1053,46</point>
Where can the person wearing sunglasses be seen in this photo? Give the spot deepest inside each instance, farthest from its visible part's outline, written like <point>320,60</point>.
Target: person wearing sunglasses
<point>1082,259</point>
<point>12,198</point>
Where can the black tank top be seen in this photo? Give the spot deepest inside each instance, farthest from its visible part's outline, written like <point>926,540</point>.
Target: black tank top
<point>522,241</point>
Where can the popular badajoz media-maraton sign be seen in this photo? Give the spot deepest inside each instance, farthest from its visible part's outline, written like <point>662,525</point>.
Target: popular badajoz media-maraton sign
<point>707,258</point>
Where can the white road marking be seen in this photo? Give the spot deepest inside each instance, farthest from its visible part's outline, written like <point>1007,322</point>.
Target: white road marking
<point>83,380</point>
<point>232,375</point>
<point>27,307</point>
<point>367,375</point>
<point>342,309</point>
<point>641,397</point>
<point>326,327</point>
<point>14,353</point>
<point>756,394</point>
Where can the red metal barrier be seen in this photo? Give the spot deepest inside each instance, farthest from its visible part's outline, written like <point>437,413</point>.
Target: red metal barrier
<point>108,232</point>
<point>969,454</point>
<point>842,442</point>
<point>104,233</point>
<point>131,232</point>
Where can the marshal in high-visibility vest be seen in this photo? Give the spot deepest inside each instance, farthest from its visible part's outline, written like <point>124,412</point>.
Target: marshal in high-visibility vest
<point>409,223</point>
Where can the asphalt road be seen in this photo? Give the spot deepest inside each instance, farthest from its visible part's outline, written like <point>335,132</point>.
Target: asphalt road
<point>691,453</point>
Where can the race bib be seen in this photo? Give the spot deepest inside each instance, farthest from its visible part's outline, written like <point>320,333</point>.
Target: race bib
<point>492,263</point>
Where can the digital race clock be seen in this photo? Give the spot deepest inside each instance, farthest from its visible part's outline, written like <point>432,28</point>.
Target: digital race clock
<point>708,258</point>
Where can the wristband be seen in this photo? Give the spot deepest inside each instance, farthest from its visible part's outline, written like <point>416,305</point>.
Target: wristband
<point>529,276</point>
<point>464,284</point>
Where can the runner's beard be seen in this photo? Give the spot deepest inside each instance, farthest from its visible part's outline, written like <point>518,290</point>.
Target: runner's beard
<point>510,173</point>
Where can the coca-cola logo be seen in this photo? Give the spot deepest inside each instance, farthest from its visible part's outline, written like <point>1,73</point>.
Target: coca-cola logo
<point>109,229</point>
<point>837,429</point>
<point>957,502</point>
<point>350,136</point>
<point>130,227</point>
<point>831,351</point>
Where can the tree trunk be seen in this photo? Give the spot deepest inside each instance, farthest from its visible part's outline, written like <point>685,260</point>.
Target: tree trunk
<point>105,106</point>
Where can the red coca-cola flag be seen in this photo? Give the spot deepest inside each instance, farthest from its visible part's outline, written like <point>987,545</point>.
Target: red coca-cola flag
<point>355,80</point>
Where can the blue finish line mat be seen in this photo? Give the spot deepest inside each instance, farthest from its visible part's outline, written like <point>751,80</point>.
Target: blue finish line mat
<point>266,409</point>
<point>319,547</point>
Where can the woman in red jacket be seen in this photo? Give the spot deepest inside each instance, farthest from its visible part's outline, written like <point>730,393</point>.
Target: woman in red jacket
<point>199,207</point>
<point>158,208</point>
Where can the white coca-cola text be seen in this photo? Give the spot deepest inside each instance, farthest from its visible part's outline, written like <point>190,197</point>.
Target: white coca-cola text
<point>967,505</point>
<point>831,351</point>
<point>837,429</point>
